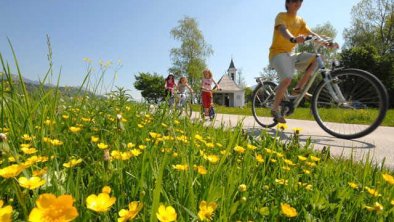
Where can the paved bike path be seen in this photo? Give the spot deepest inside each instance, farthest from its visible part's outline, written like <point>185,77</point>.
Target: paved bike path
<point>379,145</point>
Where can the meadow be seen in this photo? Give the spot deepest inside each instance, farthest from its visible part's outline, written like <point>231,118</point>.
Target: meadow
<point>104,158</point>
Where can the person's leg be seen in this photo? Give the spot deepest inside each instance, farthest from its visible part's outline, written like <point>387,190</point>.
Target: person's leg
<point>307,62</point>
<point>284,66</point>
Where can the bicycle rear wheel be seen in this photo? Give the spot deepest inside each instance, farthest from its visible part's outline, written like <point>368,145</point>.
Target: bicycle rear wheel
<point>263,97</point>
<point>361,110</point>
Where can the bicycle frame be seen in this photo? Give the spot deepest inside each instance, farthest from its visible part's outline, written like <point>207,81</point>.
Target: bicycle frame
<point>332,86</point>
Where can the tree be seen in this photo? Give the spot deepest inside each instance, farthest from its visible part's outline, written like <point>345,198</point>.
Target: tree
<point>189,59</point>
<point>269,74</point>
<point>150,85</point>
<point>240,79</point>
<point>372,24</point>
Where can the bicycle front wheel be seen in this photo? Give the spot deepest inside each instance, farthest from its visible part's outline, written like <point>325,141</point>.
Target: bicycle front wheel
<point>185,110</point>
<point>351,105</point>
<point>263,97</point>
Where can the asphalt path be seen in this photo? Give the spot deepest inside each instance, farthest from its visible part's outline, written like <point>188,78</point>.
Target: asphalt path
<point>378,146</point>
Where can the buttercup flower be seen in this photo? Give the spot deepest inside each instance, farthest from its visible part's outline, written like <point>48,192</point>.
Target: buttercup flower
<point>242,188</point>
<point>100,203</point>
<point>102,146</point>
<point>73,162</point>
<point>388,178</point>
<point>180,167</point>
<point>131,213</point>
<point>94,139</point>
<point>51,208</point>
<point>11,171</point>
<point>239,149</point>
<point>166,214</point>
<point>5,212</point>
<point>207,210</point>
<point>74,129</point>
<point>287,210</point>
<point>201,170</point>
<point>31,183</point>
<point>353,185</point>
<point>259,158</point>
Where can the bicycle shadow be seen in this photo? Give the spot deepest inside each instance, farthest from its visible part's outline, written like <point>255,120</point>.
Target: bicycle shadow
<point>318,141</point>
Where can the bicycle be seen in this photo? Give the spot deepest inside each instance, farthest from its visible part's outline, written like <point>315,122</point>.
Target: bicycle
<point>356,96</point>
<point>184,105</point>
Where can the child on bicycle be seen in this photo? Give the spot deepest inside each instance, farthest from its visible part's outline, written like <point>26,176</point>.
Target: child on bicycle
<point>181,88</point>
<point>170,86</point>
<point>206,90</point>
<point>290,30</point>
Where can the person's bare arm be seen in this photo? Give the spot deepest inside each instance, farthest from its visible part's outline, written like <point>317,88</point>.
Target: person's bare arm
<point>287,34</point>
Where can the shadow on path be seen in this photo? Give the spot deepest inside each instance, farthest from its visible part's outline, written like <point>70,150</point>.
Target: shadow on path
<point>317,140</point>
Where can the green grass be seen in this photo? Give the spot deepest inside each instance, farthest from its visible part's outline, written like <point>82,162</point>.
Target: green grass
<point>157,159</point>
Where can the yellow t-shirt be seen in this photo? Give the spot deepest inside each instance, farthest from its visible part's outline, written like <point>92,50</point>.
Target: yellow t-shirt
<point>295,24</point>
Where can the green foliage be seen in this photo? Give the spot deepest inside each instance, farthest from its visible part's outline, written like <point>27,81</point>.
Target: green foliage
<point>189,58</point>
<point>372,24</point>
<point>367,58</point>
<point>150,85</point>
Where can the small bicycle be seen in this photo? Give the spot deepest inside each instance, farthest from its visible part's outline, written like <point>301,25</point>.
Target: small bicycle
<point>354,96</point>
<point>183,105</point>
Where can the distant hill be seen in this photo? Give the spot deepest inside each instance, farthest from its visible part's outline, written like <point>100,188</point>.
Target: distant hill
<point>34,85</point>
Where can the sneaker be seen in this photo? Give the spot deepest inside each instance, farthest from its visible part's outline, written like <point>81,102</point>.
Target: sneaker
<point>278,117</point>
<point>297,91</point>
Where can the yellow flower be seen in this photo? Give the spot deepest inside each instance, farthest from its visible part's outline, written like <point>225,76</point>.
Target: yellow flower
<point>27,150</point>
<point>56,142</point>
<point>198,137</point>
<point>306,171</point>
<point>154,135</point>
<point>102,146</point>
<point>74,129</point>
<point>297,130</point>
<point>281,126</point>
<point>140,126</point>
<point>388,178</point>
<point>180,167</point>
<point>302,158</point>
<point>281,181</point>
<point>239,149</point>
<point>40,172</point>
<point>259,158</point>
<point>11,171</point>
<point>212,158</point>
<point>206,211</point>
<point>130,145</point>
<point>5,212</point>
<point>134,208</point>
<point>353,185</point>
<point>51,208</point>
<point>106,189</point>
<point>26,137</point>
<point>100,203</point>
<point>251,147</point>
<point>316,159</point>
<point>64,116</point>
<point>166,214</point>
<point>201,170</point>
<point>373,192</point>
<point>287,210</point>
<point>242,188</point>
<point>73,162</point>
<point>31,183</point>
<point>94,139</point>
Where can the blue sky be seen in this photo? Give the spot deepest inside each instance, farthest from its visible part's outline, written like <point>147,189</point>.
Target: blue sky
<point>137,33</point>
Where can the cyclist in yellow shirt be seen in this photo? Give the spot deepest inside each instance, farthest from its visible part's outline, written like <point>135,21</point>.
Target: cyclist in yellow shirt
<point>290,30</point>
